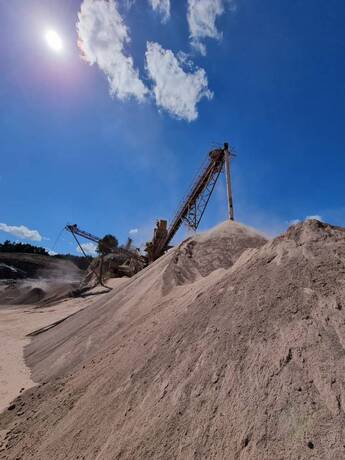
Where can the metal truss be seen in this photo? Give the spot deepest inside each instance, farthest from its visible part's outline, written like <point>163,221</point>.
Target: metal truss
<point>197,207</point>
<point>77,231</point>
<point>193,206</point>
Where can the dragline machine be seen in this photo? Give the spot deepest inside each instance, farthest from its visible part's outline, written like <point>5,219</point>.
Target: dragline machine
<point>75,230</point>
<point>126,261</point>
<point>193,207</point>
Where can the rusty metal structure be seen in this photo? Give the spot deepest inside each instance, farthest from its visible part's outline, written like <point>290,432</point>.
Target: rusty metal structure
<point>194,205</point>
<point>123,260</point>
<point>190,212</point>
<point>75,230</point>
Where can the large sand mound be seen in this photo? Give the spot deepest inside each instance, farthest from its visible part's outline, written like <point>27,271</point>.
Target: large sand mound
<point>240,357</point>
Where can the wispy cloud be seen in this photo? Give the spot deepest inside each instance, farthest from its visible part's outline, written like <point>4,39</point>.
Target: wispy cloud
<point>162,7</point>
<point>133,231</point>
<point>102,38</point>
<point>89,248</point>
<point>128,4</point>
<point>21,231</point>
<point>202,16</point>
<point>176,90</point>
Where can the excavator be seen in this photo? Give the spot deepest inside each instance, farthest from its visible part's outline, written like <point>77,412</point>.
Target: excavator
<point>190,212</point>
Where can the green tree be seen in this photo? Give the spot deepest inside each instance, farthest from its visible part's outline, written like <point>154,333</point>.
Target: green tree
<point>8,246</point>
<point>107,244</point>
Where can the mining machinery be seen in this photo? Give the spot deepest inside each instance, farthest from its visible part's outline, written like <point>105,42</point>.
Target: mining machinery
<point>190,211</point>
<point>75,230</point>
<point>127,261</point>
<point>194,205</point>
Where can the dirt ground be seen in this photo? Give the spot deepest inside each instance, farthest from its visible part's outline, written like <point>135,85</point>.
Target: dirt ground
<point>228,347</point>
<point>17,322</point>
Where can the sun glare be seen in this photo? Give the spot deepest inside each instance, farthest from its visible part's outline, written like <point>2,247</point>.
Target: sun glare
<point>53,40</point>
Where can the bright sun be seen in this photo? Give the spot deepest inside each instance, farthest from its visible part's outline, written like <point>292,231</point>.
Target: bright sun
<point>53,40</point>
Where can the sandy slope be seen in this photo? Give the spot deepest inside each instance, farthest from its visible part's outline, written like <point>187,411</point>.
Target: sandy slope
<point>17,322</point>
<point>38,266</point>
<point>215,351</point>
<point>45,280</point>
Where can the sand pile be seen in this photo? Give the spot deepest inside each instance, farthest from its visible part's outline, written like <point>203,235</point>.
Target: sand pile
<point>33,266</point>
<point>202,254</point>
<point>242,356</point>
<point>43,280</point>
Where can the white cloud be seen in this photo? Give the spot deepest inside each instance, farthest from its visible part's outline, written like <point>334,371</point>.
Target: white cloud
<point>21,231</point>
<point>175,90</point>
<point>177,86</point>
<point>102,36</point>
<point>133,231</point>
<point>202,16</point>
<point>89,248</point>
<point>51,253</point>
<point>163,8</point>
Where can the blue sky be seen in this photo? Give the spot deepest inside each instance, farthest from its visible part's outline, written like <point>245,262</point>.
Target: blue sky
<point>71,152</point>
